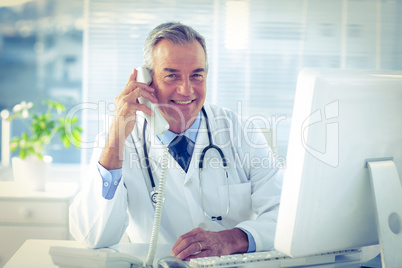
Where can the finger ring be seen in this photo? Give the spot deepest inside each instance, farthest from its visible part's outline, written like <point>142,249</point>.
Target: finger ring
<point>200,246</point>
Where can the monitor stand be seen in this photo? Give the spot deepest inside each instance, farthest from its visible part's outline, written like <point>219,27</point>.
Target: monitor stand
<point>387,192</point>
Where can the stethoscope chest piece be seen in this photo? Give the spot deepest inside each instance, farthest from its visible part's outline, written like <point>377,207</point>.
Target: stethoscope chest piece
<point>154,197</point>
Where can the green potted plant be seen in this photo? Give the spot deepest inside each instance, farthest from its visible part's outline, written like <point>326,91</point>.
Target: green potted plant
<point>31,165</point>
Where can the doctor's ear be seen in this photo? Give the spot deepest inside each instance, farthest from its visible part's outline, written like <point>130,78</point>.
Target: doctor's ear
<point>151,71</point>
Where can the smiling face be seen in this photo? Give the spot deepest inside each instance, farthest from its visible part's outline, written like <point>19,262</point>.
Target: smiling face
<point>179,79</point>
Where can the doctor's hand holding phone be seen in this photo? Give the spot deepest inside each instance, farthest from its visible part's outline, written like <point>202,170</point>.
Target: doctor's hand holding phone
<point>137,95</point>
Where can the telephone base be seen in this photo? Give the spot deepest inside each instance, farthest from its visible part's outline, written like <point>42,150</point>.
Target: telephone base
<point>69,257</point>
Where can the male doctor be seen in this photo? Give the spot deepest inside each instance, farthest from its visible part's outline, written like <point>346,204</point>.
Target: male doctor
<point>202,216</point>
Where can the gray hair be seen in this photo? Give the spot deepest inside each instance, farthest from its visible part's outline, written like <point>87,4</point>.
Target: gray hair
<point>175,32</point>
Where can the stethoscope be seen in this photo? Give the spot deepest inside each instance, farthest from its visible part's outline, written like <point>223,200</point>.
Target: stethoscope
<point>154,192</point>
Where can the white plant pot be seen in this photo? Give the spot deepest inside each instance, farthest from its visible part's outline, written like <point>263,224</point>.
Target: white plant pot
<point>31,173</point>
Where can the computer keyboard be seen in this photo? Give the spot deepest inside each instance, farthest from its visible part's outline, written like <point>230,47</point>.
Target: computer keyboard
<point>276,259</point>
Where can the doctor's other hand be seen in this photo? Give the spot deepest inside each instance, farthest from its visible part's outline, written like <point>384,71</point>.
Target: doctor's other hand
<point>124,118</point>
<point>201,243</point>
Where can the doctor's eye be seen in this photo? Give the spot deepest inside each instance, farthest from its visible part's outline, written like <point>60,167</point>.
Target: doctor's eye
<point>171,77</point>
<point>197,77</point>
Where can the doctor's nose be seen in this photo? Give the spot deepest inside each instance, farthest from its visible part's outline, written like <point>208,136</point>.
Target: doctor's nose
<point>185,88</point>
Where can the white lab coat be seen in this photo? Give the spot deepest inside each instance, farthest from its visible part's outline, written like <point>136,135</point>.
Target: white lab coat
<point>255,185</point>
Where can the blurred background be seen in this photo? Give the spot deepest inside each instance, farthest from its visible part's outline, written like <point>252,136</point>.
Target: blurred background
<point>81,52</point>
<point>41,55</point>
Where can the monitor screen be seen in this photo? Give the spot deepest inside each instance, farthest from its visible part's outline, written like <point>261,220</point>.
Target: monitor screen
<point>340,119</point>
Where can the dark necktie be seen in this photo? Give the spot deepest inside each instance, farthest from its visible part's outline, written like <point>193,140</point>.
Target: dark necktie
<point>181,148</point>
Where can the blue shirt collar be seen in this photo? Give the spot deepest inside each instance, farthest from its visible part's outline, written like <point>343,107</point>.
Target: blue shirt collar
<point>190,133</point>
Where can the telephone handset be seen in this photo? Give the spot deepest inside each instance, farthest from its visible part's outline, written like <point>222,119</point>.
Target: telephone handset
<point>157,122</point>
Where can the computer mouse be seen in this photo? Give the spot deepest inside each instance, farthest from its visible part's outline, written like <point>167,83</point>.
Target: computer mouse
<point>172,262</point>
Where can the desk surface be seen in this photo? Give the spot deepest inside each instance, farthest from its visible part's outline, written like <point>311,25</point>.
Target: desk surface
<point>54,190</point>
<point>34,253</point>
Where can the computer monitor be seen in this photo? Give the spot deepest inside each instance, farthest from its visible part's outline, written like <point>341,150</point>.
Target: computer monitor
<point>340,119</point>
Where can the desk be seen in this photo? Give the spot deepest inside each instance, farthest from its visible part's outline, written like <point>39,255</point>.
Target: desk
<point>34,253</point>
